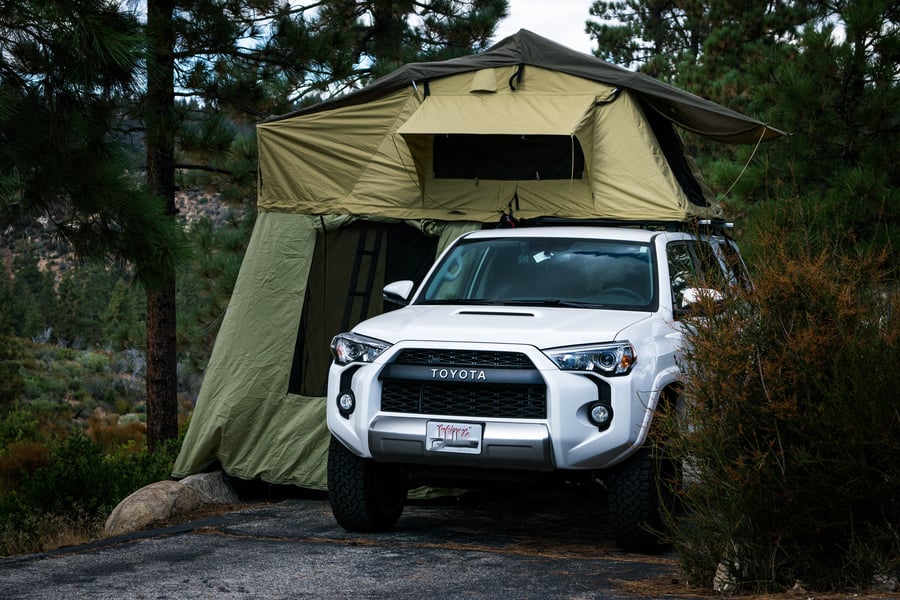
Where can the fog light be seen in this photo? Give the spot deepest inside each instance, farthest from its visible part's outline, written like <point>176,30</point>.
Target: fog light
<point>600,415</point>
<point>346,403</point>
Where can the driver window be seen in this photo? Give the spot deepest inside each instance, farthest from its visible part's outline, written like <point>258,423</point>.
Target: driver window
<point>682,270</point>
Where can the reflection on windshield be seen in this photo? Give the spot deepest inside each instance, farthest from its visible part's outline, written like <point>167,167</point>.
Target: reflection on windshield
<point>567,272</point>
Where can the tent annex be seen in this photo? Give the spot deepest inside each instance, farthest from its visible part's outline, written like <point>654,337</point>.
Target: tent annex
<point>366,188</point>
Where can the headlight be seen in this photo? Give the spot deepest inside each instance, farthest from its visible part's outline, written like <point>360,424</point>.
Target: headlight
<point>350,347</point>
<point>606,359</point>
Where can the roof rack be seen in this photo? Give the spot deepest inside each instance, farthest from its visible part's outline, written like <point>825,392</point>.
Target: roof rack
<point>692,225</point>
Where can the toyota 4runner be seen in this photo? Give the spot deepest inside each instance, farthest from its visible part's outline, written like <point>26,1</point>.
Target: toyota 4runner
<point>533,353</point>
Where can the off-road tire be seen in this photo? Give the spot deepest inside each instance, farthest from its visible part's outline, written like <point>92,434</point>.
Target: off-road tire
<point>365,496</point>
<point>637,502</point>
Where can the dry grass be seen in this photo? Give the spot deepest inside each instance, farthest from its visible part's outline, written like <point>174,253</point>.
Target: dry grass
<point>49,532</point>
<point>20,459</point>
<point>105,429</point>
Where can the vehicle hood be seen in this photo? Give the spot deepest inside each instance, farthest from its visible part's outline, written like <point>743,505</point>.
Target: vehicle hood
<point>537,326</point>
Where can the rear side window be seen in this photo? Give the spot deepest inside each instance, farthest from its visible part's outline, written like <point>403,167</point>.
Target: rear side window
<point>735,264</point>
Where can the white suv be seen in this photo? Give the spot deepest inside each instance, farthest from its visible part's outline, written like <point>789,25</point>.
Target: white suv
<point>527,354</point>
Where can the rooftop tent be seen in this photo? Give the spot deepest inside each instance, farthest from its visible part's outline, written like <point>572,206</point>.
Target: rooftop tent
<point>408,154</point>
<point>366,188</point>
<point>381,139</point>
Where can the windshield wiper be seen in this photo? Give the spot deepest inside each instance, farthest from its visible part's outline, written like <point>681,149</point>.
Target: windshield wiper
<point>563,303</point>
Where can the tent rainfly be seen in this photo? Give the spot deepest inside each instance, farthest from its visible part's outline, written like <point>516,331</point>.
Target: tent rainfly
<point>366,188</point>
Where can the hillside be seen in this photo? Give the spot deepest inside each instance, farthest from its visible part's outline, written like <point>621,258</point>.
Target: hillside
<point>37,235</point>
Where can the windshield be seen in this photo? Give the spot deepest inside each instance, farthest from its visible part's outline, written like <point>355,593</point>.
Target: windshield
<point>541,271</point>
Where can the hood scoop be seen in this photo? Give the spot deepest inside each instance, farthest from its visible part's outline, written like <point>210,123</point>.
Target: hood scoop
<point>496,313</point>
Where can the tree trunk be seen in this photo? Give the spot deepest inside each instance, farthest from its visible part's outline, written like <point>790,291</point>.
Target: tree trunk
<point>162,360</point>
<point>162,365</point>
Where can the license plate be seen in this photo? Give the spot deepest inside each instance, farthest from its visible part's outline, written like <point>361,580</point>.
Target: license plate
<point>464,438</point>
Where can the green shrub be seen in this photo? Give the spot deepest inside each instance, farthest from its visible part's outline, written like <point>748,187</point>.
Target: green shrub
<point>18,425</point>
<point>12,379</point>
<point>96,362</point>
<point>78,484</point>
<point>77,479</point>
<point>49,385</point>
<point>792,457</point>
<point>121,406</point>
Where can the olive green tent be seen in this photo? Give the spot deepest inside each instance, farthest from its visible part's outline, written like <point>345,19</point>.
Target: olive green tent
<point>365,189</point>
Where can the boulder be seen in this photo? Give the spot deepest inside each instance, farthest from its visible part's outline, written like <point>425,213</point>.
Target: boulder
<point>151,504</point>
<point>212,487</point>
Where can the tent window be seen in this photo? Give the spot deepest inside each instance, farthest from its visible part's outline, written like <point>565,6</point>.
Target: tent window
<point>507,157</point>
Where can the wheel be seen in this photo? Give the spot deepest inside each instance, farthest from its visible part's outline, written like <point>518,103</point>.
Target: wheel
<point>364,495</point>
<point>639,496</point>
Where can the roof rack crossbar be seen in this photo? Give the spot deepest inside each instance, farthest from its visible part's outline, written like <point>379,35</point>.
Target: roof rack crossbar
<point>639,224</point>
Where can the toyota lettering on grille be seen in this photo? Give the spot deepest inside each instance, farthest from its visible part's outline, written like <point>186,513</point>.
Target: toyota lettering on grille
<point>458,374</point>
<point>461,375</point>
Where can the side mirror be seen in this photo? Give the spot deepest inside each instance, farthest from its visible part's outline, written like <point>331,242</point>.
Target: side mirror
<point>692,298</point>
<point>398,292</point>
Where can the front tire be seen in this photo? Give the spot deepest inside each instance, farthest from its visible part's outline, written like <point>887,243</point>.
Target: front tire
<point>639,498</point>
<point>365,495</point>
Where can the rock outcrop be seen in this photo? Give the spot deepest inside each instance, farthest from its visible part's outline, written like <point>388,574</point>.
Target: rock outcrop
<point>152,504</point>
<point>165,500</point>
<point>212,487</point>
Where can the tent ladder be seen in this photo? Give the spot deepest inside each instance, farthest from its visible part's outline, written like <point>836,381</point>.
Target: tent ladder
<point>364,250</point>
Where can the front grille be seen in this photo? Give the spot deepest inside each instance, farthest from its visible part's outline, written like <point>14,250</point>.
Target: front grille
<point>465,399</point>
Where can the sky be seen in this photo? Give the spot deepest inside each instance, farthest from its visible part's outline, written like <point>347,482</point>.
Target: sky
<point>559,20</point>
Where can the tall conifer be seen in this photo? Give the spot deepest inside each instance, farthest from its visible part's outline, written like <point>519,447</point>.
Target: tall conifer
<point>213,69</point>
<point>246,60</point>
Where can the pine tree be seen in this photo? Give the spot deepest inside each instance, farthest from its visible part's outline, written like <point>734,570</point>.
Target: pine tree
<point>69,324</point>
<point>835,89</point>
<point>120,317</point>
<point>657,36</point>
<point>704,46</point>
<point>31,300</point>
<point>160,126</point>
<point>70,70</point>
<point>7,301</point>
<point>824,72</point>
<point>244,59</point>
<point>360,40</point>
<point>12,381</point>
<point>65,69</point>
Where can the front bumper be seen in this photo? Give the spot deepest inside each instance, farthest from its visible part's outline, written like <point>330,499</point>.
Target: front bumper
<point>504,445</point>
<point>563,438</point>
